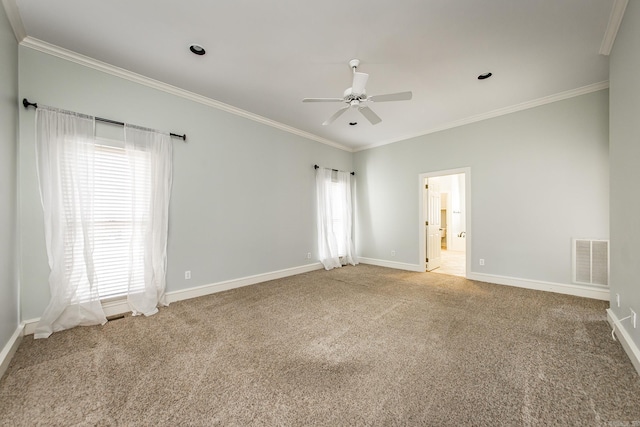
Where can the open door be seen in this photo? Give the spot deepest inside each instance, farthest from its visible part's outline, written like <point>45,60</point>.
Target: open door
<point>432,224</point>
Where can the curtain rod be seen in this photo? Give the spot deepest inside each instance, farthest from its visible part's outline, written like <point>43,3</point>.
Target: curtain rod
<point>335,170</point>
<point>28,104</point>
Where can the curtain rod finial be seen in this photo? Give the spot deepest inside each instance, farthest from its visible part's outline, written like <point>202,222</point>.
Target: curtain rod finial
<point>28,104</point>
<point>182,137</point>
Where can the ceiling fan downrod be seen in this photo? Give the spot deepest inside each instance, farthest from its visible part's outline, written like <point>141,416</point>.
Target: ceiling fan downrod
<point>354,64</point>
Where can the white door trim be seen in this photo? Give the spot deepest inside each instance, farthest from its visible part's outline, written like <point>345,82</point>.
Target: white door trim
<point>422,251</point>
<point>432,215</point>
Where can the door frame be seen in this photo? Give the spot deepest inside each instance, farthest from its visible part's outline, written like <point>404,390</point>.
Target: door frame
<point>422,250</point>
<point>432,264</point>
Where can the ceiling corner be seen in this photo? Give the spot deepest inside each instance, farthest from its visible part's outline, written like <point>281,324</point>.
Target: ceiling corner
<point>13,14</point>
<point>615,19</point>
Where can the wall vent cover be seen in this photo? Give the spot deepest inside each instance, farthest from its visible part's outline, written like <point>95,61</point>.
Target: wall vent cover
<point>591,262</point>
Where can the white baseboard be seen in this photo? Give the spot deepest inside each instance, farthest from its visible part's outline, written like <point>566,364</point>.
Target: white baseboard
<point>116,307</point>
<point>30,326</point>
<point>594,292</point>
<point>10,349</point>
<point>623,336</point>
<point>203,290</point>
<point>392,264</point>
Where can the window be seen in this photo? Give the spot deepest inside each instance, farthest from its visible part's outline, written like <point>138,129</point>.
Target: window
<point>335,218</point>
<point>115,215</point>
<point>106,217</point>
<point>117,251</point>
<point>338,195</point>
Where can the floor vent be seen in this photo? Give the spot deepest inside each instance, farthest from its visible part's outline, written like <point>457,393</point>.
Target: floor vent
<point>591,262</point>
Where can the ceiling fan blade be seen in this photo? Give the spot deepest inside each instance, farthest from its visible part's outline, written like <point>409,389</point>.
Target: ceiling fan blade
<point>400,96</point>
<point>370,115</point>
<point>323,100</point>
<point>359,82</point>
<point>335,116</point>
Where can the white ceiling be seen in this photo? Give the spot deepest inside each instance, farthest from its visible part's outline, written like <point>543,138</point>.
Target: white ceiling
<point>265,56</point>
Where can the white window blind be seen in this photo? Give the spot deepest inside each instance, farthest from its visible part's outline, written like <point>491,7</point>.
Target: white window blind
<point>116,247</point>
<point>338,200</point>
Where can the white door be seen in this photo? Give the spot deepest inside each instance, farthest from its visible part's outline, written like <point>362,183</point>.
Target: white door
<point>432,209</point>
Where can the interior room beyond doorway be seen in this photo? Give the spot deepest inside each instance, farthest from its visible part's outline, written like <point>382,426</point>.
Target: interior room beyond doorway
<point>448,207</point>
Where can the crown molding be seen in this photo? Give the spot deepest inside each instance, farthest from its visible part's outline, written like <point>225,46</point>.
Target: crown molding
<point>615,19</point>
<point>500,112</point>
<point>77,58</point>
<point>13,15</point>
<point>88,62</point>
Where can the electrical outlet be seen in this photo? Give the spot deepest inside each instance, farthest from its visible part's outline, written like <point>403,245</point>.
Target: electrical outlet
<point>308,255</point>
<point>481,261</point>
<point>634,319</point>
<point>393,253</point>
<point>187,274</point>
<point>618,299</point>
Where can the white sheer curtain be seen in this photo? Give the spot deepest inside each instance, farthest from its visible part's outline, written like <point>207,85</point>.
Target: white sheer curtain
<point>151,214</point>
<point>65,162</point>
<point>334,218</point>
<point>77,226</point>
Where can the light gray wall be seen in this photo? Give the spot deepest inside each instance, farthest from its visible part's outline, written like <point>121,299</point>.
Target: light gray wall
<point>243,193</point>
<point>539,178</point>
<point>625,171</point>
<point>9,316</point>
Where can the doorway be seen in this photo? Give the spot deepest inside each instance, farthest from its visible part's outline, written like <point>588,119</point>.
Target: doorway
<point>445,221</point>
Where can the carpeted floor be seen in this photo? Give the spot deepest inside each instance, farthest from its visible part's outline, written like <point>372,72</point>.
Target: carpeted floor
<point>358,345</point>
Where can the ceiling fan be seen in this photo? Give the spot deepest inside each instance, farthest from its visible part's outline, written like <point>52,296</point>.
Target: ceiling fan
<point>356,96</point>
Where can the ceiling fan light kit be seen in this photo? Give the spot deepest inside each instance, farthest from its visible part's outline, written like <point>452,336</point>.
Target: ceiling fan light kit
<point>356,97</point>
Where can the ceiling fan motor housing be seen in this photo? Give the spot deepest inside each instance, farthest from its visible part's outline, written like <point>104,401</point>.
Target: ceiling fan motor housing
<point>356,96</point>
<point>350,96</point>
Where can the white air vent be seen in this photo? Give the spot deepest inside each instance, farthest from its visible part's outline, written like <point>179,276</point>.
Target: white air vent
<point>591,261</point>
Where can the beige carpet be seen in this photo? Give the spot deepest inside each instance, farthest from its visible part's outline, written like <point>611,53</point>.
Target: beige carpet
<point>359,345</point>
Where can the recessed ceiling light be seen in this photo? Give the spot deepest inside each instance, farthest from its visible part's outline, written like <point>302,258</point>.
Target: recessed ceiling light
<point>197,49</point>
<point>353,123</point>
<point>484,76</point>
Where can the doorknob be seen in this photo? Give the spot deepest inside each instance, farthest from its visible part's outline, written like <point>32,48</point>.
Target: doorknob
<point>462,234</point>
